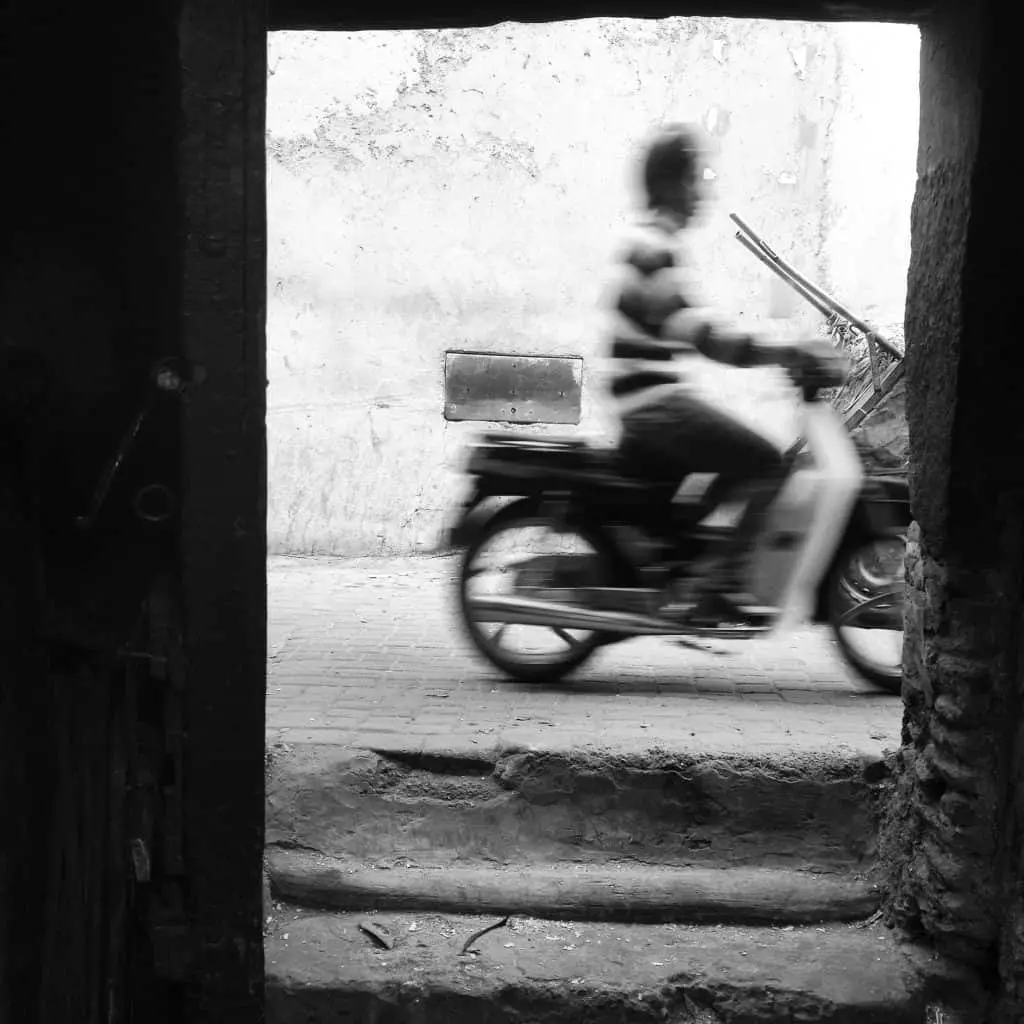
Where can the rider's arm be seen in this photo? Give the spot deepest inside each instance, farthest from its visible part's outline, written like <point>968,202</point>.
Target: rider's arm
<point>697,328</point>
<point>654,296</point>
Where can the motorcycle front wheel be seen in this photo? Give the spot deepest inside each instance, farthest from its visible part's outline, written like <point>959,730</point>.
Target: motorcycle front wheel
<point>865,610</point>
<point>521,554</point>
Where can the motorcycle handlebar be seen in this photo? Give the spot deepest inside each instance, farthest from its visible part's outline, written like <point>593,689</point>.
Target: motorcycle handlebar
<point>817,367</point>
<point>809,384</point>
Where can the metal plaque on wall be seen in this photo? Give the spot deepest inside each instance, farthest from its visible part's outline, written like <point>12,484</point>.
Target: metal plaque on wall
<point>512,389</point>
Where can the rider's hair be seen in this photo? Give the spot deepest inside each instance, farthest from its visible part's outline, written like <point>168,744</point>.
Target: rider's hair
<point>669,156</point>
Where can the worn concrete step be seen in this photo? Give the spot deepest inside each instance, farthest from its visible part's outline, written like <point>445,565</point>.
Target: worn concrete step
<point>395,806</point>
<point>628,892</point>
<point>324,968</point>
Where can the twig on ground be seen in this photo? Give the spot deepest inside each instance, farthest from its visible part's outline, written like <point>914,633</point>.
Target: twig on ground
<point>480,934</point>
<point>379,935</point>
<point>873,919</point>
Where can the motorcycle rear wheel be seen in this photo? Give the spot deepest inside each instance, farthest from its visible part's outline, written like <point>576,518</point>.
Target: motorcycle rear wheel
<point>573,647</point>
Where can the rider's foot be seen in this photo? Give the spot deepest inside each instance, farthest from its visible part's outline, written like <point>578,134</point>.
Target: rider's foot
<point>713,594</point>
<point>725,609</point>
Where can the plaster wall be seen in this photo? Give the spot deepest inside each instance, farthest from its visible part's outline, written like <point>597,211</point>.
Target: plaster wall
<point>463,189</point>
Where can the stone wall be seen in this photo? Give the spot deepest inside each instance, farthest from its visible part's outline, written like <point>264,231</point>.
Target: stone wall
<point>463,189</point>
<point>948,791</point>
<point>954,836</point>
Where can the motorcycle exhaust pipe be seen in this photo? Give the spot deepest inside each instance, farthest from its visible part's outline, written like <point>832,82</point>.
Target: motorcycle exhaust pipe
<point>528,612</point>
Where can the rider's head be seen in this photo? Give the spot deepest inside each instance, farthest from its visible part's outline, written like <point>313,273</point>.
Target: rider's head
<point>673,166</point>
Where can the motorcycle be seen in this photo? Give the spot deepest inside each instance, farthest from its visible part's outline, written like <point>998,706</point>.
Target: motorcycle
<point>613,548</point>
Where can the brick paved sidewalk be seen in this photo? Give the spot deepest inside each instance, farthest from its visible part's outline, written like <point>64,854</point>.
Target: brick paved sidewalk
<point>369,653</point>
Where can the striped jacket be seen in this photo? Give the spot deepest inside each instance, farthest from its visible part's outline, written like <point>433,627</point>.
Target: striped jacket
<point>655,325</point>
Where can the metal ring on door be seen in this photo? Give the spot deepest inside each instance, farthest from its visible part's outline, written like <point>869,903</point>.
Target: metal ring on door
<point>154,503</point>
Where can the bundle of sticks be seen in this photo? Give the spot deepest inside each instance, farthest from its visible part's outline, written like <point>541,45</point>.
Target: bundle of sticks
<point>885,358</point>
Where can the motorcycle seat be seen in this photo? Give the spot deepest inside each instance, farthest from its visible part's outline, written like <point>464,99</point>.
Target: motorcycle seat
<point>538,441</point>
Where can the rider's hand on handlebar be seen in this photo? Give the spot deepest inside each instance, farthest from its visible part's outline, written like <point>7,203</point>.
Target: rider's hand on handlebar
<point>815,363</point>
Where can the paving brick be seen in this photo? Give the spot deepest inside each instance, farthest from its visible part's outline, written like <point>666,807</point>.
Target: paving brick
<point>371,651</point>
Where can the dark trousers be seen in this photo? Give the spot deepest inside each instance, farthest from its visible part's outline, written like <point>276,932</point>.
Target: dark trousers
<point>683,434</point>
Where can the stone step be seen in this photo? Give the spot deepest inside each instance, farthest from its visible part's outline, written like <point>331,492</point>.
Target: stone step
<point>506,807</point>
<point>629,892</point>
<point>323,967</point>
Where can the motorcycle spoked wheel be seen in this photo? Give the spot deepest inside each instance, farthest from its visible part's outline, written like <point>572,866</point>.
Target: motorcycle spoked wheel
<point>866,583</point>
<point>569,648</point>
